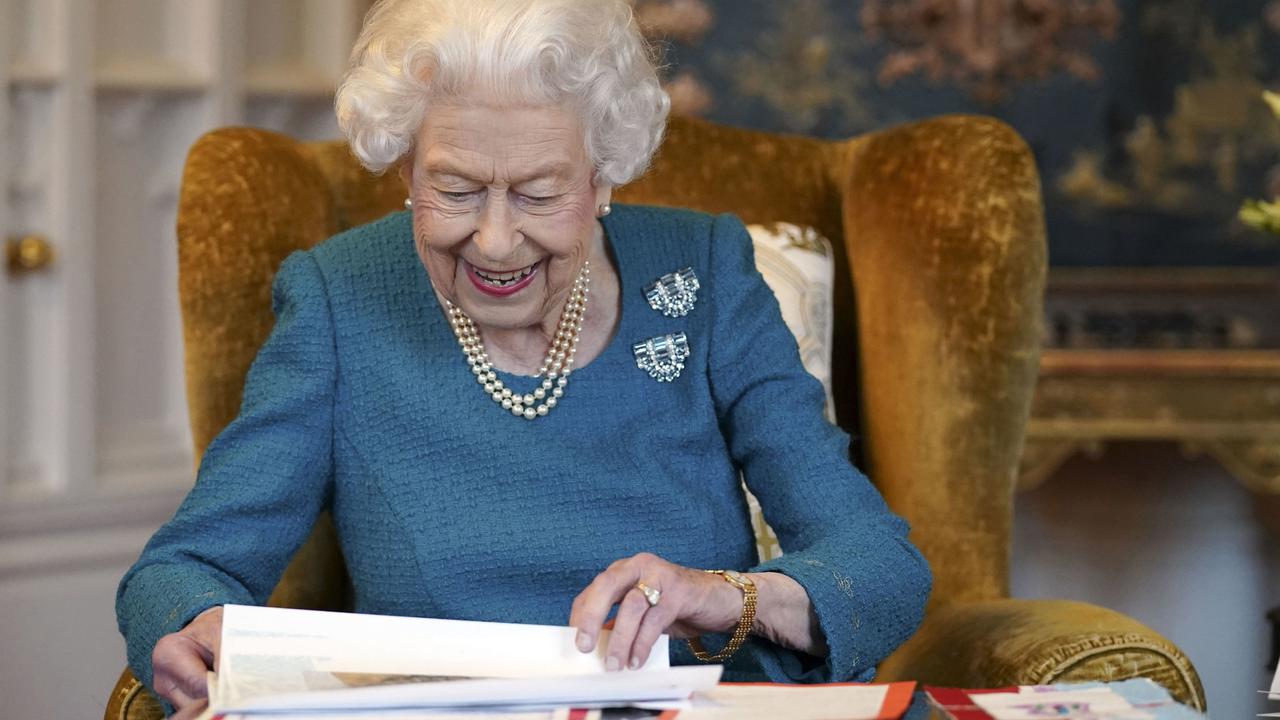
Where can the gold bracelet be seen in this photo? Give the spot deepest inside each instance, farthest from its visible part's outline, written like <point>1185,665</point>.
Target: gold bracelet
<point>748,588</point>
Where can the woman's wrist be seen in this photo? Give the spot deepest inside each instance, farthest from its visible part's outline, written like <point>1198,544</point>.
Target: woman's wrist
<point>785,616</point>
<point>730,601</point>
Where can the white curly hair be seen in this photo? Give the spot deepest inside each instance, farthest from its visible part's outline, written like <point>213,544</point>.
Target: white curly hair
<point>588,54</point>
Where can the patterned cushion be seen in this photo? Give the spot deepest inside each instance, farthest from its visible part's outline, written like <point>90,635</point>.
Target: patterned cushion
<point>796,262</point>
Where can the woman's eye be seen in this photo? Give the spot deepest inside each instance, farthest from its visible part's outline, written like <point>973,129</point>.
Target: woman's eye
<point>457,196</point>
<point>539,199</point>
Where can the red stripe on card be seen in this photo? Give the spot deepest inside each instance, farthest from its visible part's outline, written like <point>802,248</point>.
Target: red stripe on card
<point>896,700</point>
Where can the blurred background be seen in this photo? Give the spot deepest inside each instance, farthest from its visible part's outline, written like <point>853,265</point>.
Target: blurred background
<point>1152,468</point>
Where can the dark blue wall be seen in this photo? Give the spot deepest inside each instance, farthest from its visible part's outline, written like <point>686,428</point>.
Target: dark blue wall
<point>759,57</point>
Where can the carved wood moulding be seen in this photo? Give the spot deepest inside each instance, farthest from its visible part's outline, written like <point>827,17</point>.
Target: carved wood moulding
<point>1214,394</point>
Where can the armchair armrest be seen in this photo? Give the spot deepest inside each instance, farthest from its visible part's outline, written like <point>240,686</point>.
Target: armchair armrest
<point>1037,642</point>
<point>131,701</point>
<point>316,579</point>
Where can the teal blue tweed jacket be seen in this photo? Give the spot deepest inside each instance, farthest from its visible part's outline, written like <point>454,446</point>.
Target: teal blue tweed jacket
<point>360,402</point>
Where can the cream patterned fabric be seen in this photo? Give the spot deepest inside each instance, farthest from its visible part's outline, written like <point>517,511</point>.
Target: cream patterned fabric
<point>797,264</point>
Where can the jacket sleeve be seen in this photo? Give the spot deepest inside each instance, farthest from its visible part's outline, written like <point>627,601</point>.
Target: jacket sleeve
<point>261,485</point>
<point>867,583</point>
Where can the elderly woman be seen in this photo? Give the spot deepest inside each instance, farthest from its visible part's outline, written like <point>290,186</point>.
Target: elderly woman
<point>522,403</point>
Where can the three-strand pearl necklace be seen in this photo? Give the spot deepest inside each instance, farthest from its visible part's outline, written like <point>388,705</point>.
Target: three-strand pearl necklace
<point>556,367</point>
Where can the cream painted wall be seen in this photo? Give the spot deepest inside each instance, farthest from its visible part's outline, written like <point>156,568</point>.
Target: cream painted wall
<point>62,651</point>
<point>102,99</point>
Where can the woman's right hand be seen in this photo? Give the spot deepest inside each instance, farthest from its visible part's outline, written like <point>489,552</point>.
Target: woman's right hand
<point>181,660</point>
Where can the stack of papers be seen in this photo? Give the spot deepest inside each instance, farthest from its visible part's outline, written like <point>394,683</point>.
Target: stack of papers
<point>1138,699</point>
<point>340,666</point>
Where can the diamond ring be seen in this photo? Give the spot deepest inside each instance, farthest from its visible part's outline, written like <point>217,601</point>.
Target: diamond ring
<point>651,595</point>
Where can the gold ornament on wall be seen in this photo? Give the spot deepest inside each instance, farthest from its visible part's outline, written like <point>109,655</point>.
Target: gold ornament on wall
<point>1218,125</point>
<point>800,68</point>
<point>989,45</point>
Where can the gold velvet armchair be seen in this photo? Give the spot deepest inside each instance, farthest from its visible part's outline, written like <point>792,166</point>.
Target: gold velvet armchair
<point>940,245</point>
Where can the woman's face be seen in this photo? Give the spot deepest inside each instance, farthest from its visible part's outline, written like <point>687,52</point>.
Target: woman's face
<point>504,209</point>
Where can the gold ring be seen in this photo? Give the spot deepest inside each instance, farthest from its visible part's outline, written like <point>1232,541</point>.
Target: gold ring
<point>651,595</point>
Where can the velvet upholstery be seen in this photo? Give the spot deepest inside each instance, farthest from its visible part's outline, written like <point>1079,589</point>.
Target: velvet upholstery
<point>939,239</point>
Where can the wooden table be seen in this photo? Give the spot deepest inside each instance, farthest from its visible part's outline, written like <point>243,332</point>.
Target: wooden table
<point>1189,355</point>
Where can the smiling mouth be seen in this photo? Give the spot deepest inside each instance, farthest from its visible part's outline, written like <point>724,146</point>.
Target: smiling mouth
<point>503,279</point>
<point>499,283</point>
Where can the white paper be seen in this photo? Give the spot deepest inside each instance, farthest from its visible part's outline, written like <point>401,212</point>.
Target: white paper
<point>560,714</point>
<point>1037,703</point>
<point>511,713</point>
<point>340,665</point>
<point>789,702</point>
<point>604,689</point>
<point>269,651</point>
<point>1275,685</point>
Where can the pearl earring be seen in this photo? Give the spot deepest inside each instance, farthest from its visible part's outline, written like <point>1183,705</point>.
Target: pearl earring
<point>605,209</point>
<point>408,203</point>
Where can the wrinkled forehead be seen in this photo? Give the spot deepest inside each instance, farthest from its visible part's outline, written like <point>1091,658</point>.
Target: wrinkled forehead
<point>478,141</point>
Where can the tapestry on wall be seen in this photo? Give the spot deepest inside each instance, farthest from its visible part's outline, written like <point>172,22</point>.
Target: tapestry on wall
<point>1146,117</point>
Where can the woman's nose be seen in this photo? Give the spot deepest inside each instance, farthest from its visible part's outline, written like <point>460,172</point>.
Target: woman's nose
<point>496,235</point>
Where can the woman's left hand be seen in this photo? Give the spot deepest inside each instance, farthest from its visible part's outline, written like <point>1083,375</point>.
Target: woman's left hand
<point>692,603</point>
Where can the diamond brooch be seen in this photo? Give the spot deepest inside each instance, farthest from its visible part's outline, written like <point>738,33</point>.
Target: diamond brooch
<point>673,294</point>
<point>662,356</point>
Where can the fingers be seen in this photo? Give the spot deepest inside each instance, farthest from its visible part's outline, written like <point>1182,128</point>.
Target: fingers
<point>174,696</point>
<point>656,620</point>
<point>181,660</point>
<point>179,671</point>
<point>636,626</point>
<point>191,711</point>
<point>592,605</point>
<point>631,611</point>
